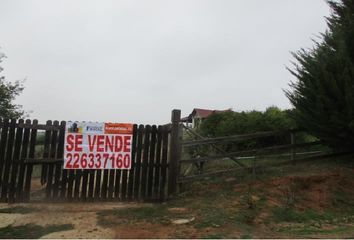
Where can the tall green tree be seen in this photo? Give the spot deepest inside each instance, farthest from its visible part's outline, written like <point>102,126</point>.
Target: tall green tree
<point>323,94</point>
<point>8,92</point>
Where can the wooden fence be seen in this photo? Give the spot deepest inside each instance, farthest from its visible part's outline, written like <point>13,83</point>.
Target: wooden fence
<point>238,157</point>
<point>150,177</point>
<point>156,168</point>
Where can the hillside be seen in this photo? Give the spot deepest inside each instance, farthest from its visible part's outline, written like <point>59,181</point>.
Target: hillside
<point>314,199</point>
<point>310,200</point>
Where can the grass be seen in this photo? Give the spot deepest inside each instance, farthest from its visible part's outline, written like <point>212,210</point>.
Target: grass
<point>246,236</point>
<point>304,231</point>
<point>214,236</point>
<point>156,213</point>
<point>212,217</point>
<point>281,214</point>
<point>32,231</point>
<point>204,204</point>
<point>221,206</point>
<point>18,209</point>
<point>343,200</point>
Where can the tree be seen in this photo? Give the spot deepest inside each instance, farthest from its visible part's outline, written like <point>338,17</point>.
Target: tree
<point>233,123</point>
<point>237,123</point>
<point>323,94</point>
<point>8,92</point>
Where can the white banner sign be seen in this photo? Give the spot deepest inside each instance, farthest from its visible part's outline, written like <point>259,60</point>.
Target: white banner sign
<point>98,145</point>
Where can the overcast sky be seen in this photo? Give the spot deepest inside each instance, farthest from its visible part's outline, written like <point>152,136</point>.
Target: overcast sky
<point>134,61</point>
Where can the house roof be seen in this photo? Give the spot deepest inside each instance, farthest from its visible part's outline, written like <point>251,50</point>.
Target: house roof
<point>201,113</point>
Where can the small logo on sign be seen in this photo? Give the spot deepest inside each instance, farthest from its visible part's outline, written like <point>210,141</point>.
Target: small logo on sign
<point>94,128</point>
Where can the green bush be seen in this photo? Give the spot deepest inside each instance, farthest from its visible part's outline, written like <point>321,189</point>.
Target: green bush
<point>236,123</point>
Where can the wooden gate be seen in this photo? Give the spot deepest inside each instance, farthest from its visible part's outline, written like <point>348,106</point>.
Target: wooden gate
<point>23,150</point>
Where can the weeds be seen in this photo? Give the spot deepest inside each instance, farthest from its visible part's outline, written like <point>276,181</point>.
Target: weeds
<point>18,209</point>
<point>152,214</point>
<point>214,236</point>
<point>290,194</point>
<point>311,230</point>
<point>252,206</point>
<point>281,214</point>
<point>32,230</point>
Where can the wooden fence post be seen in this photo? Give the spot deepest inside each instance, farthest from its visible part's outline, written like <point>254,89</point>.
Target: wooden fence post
<point>174,152</point>
<point>293,151</point>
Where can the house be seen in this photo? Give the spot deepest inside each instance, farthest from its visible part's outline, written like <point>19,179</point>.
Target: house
<point>198,115</point>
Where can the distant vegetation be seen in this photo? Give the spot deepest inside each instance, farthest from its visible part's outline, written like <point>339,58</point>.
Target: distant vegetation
<point>8,92</point>
<point>232,123</point>
<point>237,123</point>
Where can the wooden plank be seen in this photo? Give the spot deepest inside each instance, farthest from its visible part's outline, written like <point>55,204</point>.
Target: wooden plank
<point>104,186</point>
<point>71,180</point>
<point>24,154</point>
<point>145,162</point>
<point>91,185</point>
<point>8,161</point>
<point>77,184</point>
<point>98,184</point>
<point>163,179</point>
<point>158,162</point>
<point>3,143</point>
<point>124,183</point>
<point>138,162</point>
<point>132,170</point>
<point>46,153</point>
<point>85,173</point>
<point>32,145</point>
<point>64,184</point>
<point>233,138</point>
<point>151,164</point>
<point>111,183</point>
<point>59,165</point>
<point>117,195</point>
<point>175,152</point>
<point>53,149</point>
<point>15,162</point>
<point>215,173</point>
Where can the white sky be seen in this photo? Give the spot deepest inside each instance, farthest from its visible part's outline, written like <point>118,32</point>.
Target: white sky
<point>134,61</point>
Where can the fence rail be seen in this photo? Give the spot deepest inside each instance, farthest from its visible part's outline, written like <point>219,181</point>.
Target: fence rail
<point>251,169</point>
<point>235,138</point>
<point>239,157</point>
<point>257,150</point>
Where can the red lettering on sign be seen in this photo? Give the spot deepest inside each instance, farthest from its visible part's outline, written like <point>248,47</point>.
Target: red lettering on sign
<point>109,143</point>
<point>91,142</point>
<point>126,143</point>
<point>100,143</point>
<point>74,143</point>
<point>78,143</point>
<point>118,143</point>
<point>69,142</point>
